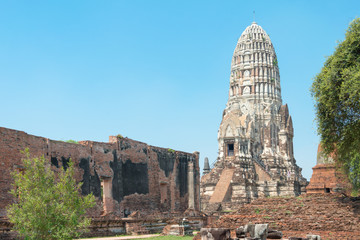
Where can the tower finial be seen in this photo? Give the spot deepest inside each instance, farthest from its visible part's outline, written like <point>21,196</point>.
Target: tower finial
<point>254,16</point>
<point>206,168</point>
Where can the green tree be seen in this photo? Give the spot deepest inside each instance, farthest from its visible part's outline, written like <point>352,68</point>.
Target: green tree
<point>48,205</point>
<point>336,90</point>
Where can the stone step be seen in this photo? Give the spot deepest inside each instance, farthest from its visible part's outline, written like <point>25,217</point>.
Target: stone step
<point>223,185</point>
<point>262,173</point>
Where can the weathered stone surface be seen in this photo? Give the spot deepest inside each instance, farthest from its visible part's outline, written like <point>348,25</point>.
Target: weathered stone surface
<point>177,230</point>
<point>256,133</point>
<point>313,237</point>
<point>261,231</point>
<point>258,231</point>
<point>215,233</point>
<point>274,234</point>
<point>240,232</point>
<point>250,228</point>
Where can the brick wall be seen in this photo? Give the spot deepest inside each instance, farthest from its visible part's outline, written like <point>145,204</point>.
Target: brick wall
<point>327,178</point>
<point>126,169</point>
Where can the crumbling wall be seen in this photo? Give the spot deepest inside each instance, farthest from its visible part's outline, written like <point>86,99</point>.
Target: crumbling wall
<point>114,171</point>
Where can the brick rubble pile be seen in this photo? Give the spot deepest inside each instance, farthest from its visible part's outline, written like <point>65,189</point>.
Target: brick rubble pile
<point>332,216</point>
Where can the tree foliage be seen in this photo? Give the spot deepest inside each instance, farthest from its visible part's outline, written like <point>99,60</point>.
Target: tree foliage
<point>48,205</point>
<point>336,90</point>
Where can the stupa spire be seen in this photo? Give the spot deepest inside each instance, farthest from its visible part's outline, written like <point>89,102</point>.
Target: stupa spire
<point>256,133</point>
<point>206,169</point>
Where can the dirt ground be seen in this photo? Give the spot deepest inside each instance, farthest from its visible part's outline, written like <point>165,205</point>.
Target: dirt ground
<point>122,237</point>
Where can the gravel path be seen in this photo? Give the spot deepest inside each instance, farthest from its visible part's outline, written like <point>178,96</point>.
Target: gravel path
<point>122,238</point>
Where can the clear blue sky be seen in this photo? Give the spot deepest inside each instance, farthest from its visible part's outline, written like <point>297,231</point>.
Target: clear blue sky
<point>154,71</point>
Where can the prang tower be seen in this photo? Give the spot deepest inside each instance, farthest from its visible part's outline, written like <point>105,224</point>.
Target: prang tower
<point>256,133</point>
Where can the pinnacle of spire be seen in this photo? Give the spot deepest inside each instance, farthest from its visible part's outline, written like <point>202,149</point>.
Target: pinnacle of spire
<point>254,70</point>
<point>206,169</point>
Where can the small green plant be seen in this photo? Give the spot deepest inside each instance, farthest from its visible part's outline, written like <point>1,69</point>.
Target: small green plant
<point>289,212</point>
<point>275,62</point>
<point>273,225</point>
<point>171,150</point>
<point>70,141</point>
<point>267,217</point>
<point>355,192</point>
<point>257,210</point>
<point>119,136</point>
<point>47,206</point>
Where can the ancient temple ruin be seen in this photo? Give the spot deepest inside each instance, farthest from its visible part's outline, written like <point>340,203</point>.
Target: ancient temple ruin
<point>327,177</point>
<point>127,177</point>
<point>255,137</point>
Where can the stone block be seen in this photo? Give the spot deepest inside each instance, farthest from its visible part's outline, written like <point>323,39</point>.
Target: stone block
<point>240,232</point>
<point>261,231</point>
<point>313,237</point>
<point>257,231</point>
<point>250,228</point>
<point>273,234</point>
<point>215,234</point>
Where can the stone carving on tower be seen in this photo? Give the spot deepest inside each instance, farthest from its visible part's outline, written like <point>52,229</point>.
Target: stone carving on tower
<point>255,137</point>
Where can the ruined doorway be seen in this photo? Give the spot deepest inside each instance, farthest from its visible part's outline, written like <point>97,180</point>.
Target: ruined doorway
<point>163,192</point>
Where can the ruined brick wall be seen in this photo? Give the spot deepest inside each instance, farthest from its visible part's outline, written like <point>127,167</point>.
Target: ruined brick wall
<point>327,176</point>
<point>323,178</point>
<point>124,175</point>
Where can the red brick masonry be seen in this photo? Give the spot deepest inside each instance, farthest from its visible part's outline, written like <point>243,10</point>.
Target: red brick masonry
<point>323,179</point>
<point>125,175</point>
<point>332,216</point>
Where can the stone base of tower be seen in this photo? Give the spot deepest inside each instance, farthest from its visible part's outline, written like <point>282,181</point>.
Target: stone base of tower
<point>227,188</point>
<point>325,179</point>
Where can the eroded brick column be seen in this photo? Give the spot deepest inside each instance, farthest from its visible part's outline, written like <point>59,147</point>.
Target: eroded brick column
<point>106,185</point>
<point>191,184</point>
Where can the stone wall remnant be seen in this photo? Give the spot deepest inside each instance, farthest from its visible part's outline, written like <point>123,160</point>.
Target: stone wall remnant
<point>124,175</point>
<point>326,178</point>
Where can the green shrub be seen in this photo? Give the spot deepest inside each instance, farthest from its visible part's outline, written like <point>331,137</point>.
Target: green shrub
<point>47,206</point>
